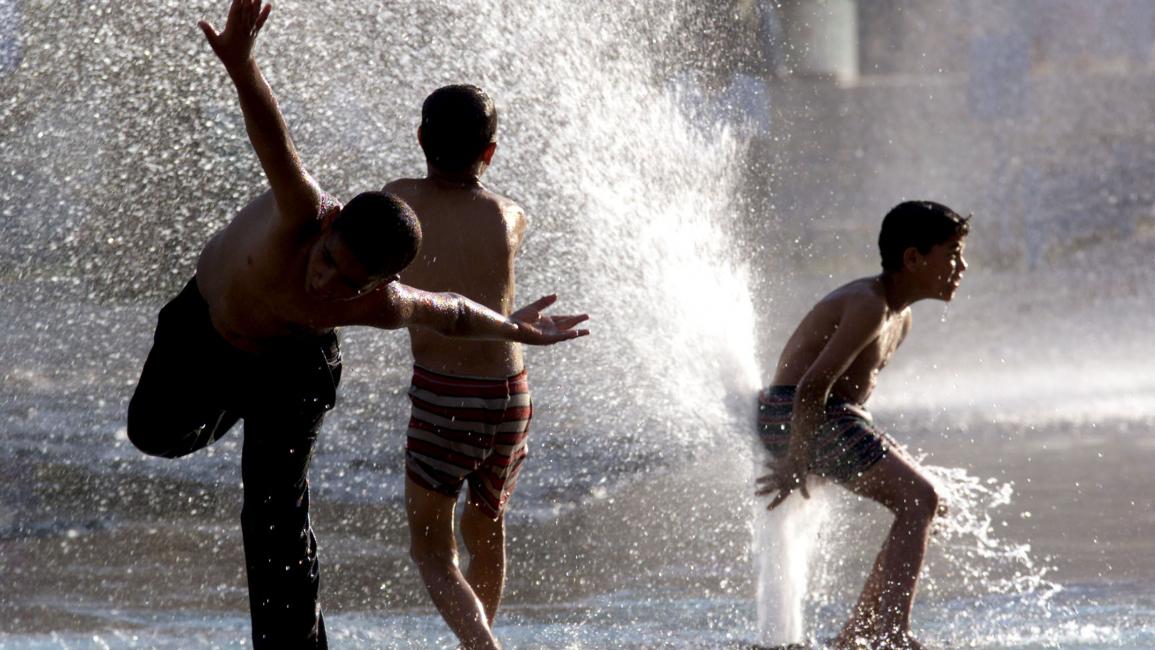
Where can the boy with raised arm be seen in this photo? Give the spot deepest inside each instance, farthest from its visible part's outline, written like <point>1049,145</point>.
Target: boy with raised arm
<point>812,420</point>
<point>471,402</point>
<point>252,337</point>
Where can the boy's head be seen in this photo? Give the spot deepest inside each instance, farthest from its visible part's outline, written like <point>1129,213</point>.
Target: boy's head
<point>458,127</point>
<point>927,238</point>
<point>366,244</point>
<point>920,225</point>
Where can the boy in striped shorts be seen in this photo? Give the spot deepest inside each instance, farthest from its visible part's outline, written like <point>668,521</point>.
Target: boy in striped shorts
<point>812,421</point>
<point>471,401</point>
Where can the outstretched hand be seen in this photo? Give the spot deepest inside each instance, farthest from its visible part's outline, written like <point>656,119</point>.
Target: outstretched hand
<point>535,328</point>
<point>234,45</point>
<point>786,475</point>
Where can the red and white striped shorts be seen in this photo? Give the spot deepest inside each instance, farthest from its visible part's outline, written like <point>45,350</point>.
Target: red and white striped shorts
<point>468,429</point>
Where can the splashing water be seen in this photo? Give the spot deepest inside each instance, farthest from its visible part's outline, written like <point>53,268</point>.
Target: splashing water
<point>999,576</point>
<point>786,544</point>
<point>630,197</point>
<point>988,586</point>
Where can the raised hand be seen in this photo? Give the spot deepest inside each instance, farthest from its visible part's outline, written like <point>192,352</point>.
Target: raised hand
<point>785,476</point>
<point>535,328</point>
<point>234,46</point>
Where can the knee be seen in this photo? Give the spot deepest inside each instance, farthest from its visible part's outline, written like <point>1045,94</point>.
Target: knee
<point>482,535</point>
<point>432,557</point>
<point>923,502</point>
<point>148,443</point>
<point>144,434</point>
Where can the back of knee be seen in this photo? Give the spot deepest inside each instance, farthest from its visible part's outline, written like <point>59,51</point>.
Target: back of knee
<point>430,557</point>
<point>483,535</point>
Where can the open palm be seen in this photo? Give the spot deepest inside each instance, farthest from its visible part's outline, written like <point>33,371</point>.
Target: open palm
<point>537,328</point>
<point>234,45</point>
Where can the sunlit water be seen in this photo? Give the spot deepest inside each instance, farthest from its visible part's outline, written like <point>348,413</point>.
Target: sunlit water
<point>633,526</point>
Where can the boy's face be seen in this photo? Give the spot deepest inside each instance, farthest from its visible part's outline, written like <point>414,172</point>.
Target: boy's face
<point>942,268</point>
<point>334,273</point>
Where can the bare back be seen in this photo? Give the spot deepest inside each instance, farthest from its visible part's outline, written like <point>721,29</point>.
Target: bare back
<point>470,237</point>
<point>861,305</point>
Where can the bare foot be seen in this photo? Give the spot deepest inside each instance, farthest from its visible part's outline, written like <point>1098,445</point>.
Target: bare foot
<point>858,632</point>
<point>904,641</point>
<point>852,638</point>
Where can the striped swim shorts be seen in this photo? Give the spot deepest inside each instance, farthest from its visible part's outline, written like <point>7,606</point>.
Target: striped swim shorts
<point>468,429</point>
<point>848,443</point>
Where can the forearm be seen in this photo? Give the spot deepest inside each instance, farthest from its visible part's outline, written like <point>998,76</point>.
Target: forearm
<point>266,127</point>
<point>452,314</point>
<point>808,415</point>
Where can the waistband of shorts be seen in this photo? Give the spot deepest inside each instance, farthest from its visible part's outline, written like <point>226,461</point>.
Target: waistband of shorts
<point>781,391</point>
<point>305,347</point>
<point>429,375</point>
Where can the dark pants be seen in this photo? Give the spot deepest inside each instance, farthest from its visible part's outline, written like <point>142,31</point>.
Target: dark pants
<point>194,387</point>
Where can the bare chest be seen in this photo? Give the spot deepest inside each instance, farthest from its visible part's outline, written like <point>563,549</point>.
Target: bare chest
<point>860,379</point>
<point>882,349</point>
<point>255,292</point>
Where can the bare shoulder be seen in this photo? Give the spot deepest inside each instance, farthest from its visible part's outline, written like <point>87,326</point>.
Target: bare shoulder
<point>403,187</point>
<point>510,211</point>
<point>907,321</point>
<point>500,203</point>
<point>862,299</point>
<point>854,306</point>
<point>500,216</point>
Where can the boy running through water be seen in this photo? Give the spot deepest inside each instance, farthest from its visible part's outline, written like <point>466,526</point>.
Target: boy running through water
<point>471,401</point>
<point>812,421</point>
<point>252,337</point>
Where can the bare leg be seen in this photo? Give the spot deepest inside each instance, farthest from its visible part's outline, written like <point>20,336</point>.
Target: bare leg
<point>434,549</point>
<point>862,623</point>
<point>897,483</point>
<point>485,541</point>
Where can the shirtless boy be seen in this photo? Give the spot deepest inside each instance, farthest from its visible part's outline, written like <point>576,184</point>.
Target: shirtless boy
<point>812,419</point>
<point>252,337</point>
<point>471,401</point>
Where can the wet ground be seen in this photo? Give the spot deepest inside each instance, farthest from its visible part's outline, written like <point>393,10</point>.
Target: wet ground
<point>103,548</point>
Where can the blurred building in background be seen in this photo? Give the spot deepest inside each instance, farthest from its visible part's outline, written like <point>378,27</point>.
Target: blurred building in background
<point>1035,115</point>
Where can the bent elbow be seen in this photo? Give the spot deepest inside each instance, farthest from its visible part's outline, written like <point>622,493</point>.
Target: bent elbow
<point>448,315</point>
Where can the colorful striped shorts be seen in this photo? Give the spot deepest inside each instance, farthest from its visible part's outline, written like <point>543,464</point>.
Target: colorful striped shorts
<point>848,443</point>
<point>468,429</point>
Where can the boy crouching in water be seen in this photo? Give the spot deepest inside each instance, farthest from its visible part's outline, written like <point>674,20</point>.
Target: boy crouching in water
<point>812,421</point>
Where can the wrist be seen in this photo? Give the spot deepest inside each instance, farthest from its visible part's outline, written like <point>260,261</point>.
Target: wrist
<point>242,70</point>
<point>511,330</point>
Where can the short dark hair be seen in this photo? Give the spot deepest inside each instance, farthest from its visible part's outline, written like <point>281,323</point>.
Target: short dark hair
<point>381,230</point>
<point>918,224</point>
<point>457,123</point>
